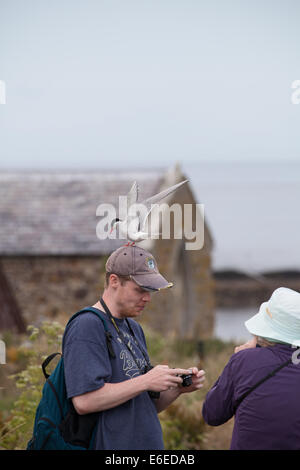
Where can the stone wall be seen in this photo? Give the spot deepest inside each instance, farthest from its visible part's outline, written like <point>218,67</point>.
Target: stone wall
<point>53,287</point>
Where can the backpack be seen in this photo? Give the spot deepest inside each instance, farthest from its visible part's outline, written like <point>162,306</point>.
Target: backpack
<point>57,425</point>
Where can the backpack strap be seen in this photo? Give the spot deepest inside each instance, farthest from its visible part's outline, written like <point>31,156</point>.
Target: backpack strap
<point>108,337</point>
<point>46,362</point>
<point>271,374</point>
<point>108,334</point>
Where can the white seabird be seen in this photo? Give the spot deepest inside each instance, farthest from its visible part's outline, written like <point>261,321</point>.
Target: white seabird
<point>133,226</point>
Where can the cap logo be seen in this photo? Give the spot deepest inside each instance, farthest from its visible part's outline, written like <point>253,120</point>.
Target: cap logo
<point>150,263</point>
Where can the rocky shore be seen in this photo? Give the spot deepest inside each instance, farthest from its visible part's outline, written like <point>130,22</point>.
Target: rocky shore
<point>234,289</point>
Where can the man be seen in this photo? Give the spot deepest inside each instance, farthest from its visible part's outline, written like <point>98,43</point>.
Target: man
<point>122,389</point>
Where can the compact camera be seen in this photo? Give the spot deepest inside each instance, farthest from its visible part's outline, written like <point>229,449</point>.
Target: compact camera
<point>187,380</point>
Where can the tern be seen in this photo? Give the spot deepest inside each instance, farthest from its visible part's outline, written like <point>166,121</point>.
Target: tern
<point>133,226</point>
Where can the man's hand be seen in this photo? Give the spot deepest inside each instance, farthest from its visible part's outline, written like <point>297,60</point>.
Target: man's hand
<point>197,378</point>
<point>175,388</point>
<point>162,378</point>
<point>250,344</point>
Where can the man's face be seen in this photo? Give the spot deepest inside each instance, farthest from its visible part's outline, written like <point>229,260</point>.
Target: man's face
<point>131,299</point>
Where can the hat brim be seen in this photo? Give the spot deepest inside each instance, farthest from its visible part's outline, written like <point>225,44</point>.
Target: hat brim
<point>151,281</point>
<point>259,326</point>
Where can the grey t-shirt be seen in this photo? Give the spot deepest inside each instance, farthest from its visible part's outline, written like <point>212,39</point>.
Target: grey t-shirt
<point>134,425</point>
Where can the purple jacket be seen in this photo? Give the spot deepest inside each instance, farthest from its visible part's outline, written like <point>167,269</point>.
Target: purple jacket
<point>269,417</point>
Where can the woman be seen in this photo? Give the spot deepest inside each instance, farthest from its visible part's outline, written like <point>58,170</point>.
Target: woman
<point>269,416</point>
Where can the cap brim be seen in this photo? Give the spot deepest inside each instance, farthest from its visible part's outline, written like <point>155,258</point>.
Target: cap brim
<point>259,326</point>
<point>152,282</point>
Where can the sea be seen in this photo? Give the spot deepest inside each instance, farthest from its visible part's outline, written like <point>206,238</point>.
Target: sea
<point>252,211</point>
<point>230,324</point>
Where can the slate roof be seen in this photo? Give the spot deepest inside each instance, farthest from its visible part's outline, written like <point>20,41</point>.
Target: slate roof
<point>54,213</point>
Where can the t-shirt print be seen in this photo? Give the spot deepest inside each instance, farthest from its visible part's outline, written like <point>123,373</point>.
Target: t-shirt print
<point>132,366</point>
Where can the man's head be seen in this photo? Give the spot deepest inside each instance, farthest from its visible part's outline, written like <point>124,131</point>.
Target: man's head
<point>131,275</point>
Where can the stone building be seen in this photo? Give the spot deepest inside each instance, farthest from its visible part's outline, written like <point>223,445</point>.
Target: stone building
<point>52,262</point>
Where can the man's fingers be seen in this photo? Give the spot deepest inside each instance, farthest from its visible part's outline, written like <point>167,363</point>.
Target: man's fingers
<point>198,386</point>
<point>181,371</point>
<point>176,379</point>
<point>198,373</point>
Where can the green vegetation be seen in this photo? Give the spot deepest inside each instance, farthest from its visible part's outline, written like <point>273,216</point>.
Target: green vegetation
<point>182,422</point>
<point>16,428</point>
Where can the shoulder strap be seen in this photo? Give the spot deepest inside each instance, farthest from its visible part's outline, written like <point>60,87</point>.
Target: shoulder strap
<point>108,334</point>
<point>271,374</point>
<point>47,361</point>
<point>92,310</point>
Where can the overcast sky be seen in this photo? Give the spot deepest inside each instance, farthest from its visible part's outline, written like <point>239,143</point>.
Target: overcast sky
<point>95,83</point>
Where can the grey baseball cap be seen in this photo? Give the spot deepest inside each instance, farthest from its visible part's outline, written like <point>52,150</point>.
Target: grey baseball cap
<point>139,264</point>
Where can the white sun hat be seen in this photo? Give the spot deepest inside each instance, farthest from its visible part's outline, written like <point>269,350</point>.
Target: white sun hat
<point>279,318</point>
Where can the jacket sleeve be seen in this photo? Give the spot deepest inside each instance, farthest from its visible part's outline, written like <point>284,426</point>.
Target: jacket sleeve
<point>218,406</point>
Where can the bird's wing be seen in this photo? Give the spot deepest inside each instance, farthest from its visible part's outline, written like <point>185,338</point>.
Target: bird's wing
<point>132,196</point>
<point>145,218</point>
<point>149,202</point>
<point>159,196</point>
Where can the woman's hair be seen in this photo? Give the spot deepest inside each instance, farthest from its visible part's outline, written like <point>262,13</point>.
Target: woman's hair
<point>264,342</point>
<point>123,279</point>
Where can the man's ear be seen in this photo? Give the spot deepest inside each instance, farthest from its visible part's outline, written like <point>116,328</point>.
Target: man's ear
<point>114,280</point>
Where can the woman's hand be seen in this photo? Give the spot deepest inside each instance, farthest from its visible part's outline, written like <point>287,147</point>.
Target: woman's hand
<point>250,344</point>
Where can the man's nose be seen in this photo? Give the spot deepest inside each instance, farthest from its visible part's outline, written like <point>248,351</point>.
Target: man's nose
<point>146,297</point>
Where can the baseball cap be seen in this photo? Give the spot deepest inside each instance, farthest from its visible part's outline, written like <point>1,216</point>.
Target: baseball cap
<point>139,264</point>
